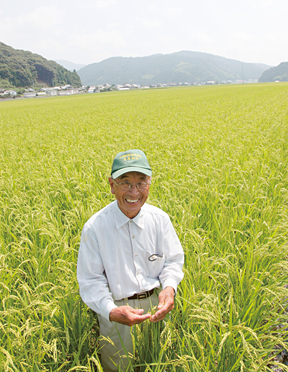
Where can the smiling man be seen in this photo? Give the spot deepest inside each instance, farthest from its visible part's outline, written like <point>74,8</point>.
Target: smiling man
<point>130,259</point>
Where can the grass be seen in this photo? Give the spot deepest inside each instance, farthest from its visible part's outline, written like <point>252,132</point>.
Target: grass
<point>219,158</point>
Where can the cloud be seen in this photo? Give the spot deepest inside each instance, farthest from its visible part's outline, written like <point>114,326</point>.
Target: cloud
<point>201,38</point>
<point>104,4</point>
<point>149,23</point>
<point>92,30</point>
<point>254,48</point>
<point>257,38</point>
<point>91,47</point>
<point>35,30</point>
<point>174,11</point>
<point>40,18</point>
<point>93,40</point>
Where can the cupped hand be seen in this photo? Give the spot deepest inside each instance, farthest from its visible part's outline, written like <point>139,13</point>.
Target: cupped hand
<point>127,315</point>
<point>166,304</point>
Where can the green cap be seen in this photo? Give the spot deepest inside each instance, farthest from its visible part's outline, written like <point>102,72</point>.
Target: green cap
<point>130,161</point>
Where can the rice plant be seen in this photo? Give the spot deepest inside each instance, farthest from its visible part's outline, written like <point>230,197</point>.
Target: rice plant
<point>219,158</point>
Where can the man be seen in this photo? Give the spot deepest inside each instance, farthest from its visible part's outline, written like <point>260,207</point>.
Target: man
<point>127,250</point>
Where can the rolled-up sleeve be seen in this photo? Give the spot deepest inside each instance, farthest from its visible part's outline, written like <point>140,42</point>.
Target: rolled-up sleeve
<point>93,284</point>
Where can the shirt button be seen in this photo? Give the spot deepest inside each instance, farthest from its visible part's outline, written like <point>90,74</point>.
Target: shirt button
<point>136,254</point>
<point>133,236</point>
<point>130,221</point>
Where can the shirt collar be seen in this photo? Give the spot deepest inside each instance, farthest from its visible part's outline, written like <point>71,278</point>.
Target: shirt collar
<point>121,219</point>
<point>140,218</point>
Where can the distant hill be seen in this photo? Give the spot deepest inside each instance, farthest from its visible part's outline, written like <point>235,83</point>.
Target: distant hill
<point>279,73</point>
<point>177,67</point>
<point>69,65</point>
<point>19,68</point>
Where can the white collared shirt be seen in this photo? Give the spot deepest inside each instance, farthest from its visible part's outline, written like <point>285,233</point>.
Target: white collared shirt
<point>113,256</point>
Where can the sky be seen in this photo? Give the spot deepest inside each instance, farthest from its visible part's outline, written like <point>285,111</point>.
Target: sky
<point>90,31</point>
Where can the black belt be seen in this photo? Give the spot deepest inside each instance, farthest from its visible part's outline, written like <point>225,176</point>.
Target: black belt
<point>141,296</point>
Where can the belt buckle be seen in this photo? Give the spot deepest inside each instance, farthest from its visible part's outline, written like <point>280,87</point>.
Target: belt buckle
<point>142,295</point>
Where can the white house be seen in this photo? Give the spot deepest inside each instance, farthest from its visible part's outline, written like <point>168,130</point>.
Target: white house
<point>10,92</point>
<point>29,94</point>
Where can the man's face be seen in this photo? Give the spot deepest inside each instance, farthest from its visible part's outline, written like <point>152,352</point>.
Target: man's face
<point>131,201</point>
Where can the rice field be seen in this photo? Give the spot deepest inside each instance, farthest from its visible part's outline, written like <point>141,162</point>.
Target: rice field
<point>219,156</point>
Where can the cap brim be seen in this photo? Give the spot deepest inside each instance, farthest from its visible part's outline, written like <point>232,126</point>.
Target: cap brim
<point>119,173</point>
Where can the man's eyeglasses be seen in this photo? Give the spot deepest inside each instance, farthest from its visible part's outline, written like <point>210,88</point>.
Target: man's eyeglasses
<point>127,186</point>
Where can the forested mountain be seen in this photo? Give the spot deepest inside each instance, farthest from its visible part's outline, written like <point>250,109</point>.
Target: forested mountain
<point>71,66</point>
<point>19,68</point>
<point>278,73</point>
<point>177,67</point>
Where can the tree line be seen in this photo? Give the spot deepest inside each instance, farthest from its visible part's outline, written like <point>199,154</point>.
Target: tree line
<point>19,68</point>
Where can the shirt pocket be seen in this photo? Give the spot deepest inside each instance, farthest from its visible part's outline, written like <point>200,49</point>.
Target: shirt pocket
<point>155,267</point>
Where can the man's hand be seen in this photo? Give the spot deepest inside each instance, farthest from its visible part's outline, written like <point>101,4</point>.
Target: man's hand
<point>127,315</point>
<point>166,304</point>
